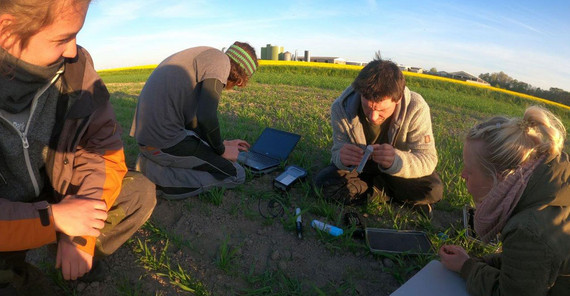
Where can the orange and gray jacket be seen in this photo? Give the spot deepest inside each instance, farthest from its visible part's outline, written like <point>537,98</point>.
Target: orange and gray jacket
<point>85,158</point>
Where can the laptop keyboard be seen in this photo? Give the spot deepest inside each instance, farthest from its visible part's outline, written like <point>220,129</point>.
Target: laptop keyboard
<point>260,158</point>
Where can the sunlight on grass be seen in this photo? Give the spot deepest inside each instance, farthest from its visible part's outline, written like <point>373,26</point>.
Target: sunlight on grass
<point>296,97</point>
<point>160,265</point>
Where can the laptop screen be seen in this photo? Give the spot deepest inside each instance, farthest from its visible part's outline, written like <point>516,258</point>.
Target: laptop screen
<point>275,143</point>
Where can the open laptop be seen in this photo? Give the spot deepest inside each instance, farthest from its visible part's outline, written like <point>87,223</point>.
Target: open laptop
<point>269,150</point>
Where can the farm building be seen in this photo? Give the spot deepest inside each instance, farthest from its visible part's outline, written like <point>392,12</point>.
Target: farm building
<point>330,60</point>
<point>272,52</point>
<point>403,68</point>
<point>356,63</point>
<point>442,73</point>
<point>462,75</point>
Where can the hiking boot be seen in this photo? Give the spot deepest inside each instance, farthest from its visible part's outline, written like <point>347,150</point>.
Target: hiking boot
<point>27,280</point>
<point>344,194</point>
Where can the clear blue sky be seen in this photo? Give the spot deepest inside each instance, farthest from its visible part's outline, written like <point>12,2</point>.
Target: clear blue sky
<point>528,40</point>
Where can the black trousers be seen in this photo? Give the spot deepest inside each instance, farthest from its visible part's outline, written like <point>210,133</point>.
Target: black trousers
<point>216,165</point>
<point>349,187</point>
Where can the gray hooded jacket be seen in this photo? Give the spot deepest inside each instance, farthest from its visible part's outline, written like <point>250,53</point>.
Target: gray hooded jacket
<point>410,133</point>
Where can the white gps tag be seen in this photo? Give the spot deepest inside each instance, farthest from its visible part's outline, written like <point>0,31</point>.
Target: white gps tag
<point>367,153</point>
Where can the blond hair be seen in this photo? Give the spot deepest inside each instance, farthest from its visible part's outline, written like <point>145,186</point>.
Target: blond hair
<point>509,142</point>
<point>30,16</point>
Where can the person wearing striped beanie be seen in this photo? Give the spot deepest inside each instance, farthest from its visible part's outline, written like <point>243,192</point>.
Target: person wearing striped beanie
<point>176,122</point>
<point>243,64</point>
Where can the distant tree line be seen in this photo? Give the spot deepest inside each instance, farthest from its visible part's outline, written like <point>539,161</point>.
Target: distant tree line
<point>504,81</point>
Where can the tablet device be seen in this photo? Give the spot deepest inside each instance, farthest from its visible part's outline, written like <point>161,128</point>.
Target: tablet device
<point>398,241</point>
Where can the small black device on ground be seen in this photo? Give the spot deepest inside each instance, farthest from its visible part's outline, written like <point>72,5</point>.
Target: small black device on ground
<point>291,175</point>
<point>352,219</point>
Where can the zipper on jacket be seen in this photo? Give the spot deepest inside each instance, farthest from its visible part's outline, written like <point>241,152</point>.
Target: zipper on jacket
<point>24,135</point>
<point>3,180</point>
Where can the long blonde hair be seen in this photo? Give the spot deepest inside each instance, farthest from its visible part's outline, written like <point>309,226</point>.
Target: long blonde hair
<point>510,142</point>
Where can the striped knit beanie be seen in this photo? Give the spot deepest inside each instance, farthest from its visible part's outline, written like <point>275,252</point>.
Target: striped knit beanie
<point>242,58</point>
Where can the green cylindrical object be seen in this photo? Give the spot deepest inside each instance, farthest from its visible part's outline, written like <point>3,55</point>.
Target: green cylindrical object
<point>275,53</point>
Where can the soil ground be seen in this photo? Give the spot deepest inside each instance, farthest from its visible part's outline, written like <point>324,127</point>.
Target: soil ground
<point>264,252</point>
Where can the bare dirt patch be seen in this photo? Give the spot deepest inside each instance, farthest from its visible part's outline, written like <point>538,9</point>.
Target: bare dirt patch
<point>266,258</point>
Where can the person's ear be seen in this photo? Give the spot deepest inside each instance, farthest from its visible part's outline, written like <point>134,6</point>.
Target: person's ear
<point>239,82</point>
<point>229,85</point>
<point>6,37</point>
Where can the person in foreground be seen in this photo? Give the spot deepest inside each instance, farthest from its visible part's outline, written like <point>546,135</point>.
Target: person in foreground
<point>62,164</point>
<point>519,177</point>
<point>176,121</point>
<point>379,110</point>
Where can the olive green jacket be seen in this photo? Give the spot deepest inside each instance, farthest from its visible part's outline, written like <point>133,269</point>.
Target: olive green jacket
<point>535,259</point>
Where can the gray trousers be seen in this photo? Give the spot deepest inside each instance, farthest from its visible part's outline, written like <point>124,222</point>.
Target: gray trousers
<point>190,164</point>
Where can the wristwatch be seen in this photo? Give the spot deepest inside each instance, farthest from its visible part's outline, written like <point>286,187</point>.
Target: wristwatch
<point>43,211</point>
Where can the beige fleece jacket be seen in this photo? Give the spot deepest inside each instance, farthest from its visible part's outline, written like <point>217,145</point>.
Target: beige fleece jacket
<point>410,133</point>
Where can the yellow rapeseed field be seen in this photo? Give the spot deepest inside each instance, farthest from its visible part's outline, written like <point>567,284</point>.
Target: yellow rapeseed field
<point>354,67</point>
<point>474,84</point>
<point>129,68</point>
<point>304,64</point>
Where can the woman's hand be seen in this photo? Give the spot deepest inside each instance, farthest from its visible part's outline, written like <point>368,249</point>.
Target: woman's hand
<point>73,262</point>
<point>79,216</point>
<point>453,257</point>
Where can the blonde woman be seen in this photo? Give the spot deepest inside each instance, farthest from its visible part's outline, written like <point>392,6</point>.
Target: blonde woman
<point>519,177</point>
<point>62,162</point>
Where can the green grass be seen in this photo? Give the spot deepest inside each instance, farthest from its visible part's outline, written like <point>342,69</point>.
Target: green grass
<point>227,256</point>
<point>157,262</point>
<point>298,99</point>
<point>277,283</point>
<point>214,196</point>
<point>125,288</point>
<point>158,233</point>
